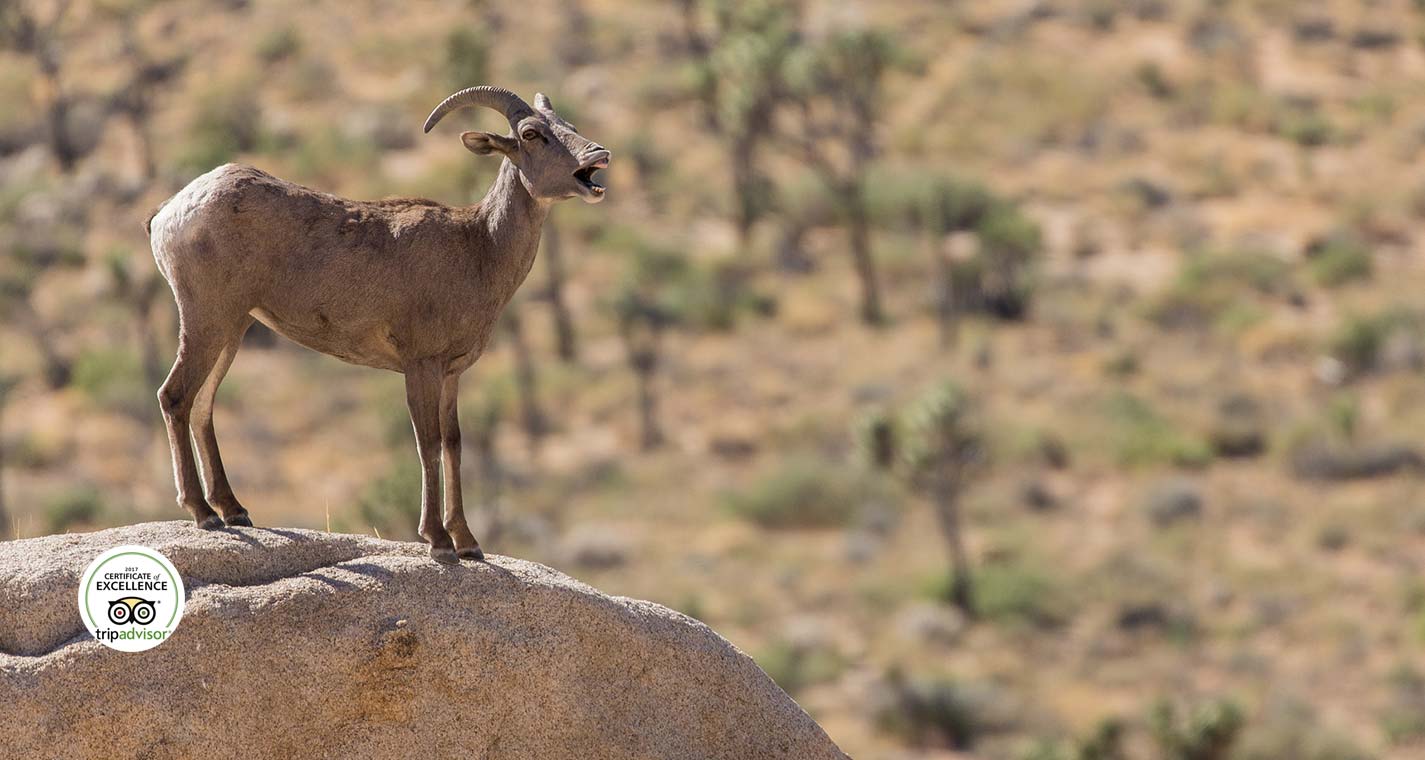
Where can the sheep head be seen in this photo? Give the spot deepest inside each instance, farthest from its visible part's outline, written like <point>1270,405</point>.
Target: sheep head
<point>555,162</point>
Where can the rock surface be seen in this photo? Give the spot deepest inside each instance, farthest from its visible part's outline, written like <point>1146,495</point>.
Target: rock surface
<point>307,644</point>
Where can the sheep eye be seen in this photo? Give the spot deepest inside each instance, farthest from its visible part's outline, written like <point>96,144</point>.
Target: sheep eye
<point>530,134</point>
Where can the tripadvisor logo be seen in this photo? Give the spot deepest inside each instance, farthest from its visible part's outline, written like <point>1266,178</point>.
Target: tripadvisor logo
<point>131,598</point>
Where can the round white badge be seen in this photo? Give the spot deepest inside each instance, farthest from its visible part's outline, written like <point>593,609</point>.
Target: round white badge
<point>131,598</point>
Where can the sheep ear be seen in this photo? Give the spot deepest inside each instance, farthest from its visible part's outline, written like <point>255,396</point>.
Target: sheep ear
<point>541,101</point>
<point>485,143</point>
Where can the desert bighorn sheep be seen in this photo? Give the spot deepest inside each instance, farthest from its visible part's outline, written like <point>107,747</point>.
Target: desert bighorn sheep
<point>405,284</point>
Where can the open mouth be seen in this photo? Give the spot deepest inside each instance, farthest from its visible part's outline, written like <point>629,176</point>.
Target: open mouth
<point>585,173</point>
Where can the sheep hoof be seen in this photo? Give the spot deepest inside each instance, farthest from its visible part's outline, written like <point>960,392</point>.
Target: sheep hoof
<point>211,522</point>
<point>471,552</point>
<point>444,556</point>
<point>239,521</point>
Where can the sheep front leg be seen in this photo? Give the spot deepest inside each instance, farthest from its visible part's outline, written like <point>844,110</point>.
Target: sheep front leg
<point>465,544</point>
<point>423,382</point>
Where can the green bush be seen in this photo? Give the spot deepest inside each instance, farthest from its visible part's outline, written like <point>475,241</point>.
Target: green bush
<point>1013,594</point>
<point>1009,243</point>
<point>77,507</point>
<point>1357,341</point>
<point>227,120</point>
<point>113,378</point>
<point>939,712</point>
<point>699,296</point>
<point>1208,732</point>
<point>1140,436</point>
<point>1339,260</point>
<point>1105,742</point>
<point>805,492</point>
<point>391,504</point>
<point>1307,127</point>
<point>279,44</point>
<point>795,666</point>
<point>1215,288</point>
<point>467,57</point>
<point>1404,720</point>
<point>878,439</point>
<point>321,155</point>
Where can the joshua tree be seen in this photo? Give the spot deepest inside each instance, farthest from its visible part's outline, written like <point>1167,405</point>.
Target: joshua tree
<point>25,32</point>
<point>134,100</point>
<point>944,450</point>
<point>838,86</point>
<point>565,340</point>
<point>407,285</point>
<point>936,209</point>
<point>648,302</point>
<point>641,323</point>
<point>17,307</point>
<point>738,52</point>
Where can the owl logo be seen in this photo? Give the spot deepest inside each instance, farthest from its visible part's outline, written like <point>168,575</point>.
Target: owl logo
<point>132,609</point>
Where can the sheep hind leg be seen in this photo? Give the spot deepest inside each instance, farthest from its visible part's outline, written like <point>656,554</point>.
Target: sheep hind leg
<point>219,492</point>
<point>200,346</point>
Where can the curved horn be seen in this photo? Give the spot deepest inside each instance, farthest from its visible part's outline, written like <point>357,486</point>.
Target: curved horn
<point>498,98</point>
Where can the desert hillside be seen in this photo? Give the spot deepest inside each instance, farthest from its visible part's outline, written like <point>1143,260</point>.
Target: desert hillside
<point>1028,380</point>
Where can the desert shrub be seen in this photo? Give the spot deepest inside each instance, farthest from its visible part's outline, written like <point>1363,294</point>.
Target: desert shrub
<point>1017,594</point>
<point>1104,742</point>
<point>75,507</point>
<point>1238,430</point>
<point>395,419</point>
<point>796,665</point>
<point>1207,732</point>
<point>323,155</point>
<point>391,503</point>
<point>279,44</point>
<point>1306,126</point>
<point>227,120</point>
<point>1329,447</point>
<point>1009,243</point>
<point>1151,76</point>
<point>312,78</point>
<point>695,295</point>
<point>939,712</point>
<point>467,57</point>
<point>935,203</point>
<point>877,439</point>
<point>1339,259</point>
<point>113,378</point>
<point>1141,436</point>
<point>1403,721</point>
<point>1359,340</point>
<point>1212,287</point>
<point>714,296</point>
<point>805,492</point>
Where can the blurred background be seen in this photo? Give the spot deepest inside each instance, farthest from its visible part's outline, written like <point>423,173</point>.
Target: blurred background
<point>1030,379</point>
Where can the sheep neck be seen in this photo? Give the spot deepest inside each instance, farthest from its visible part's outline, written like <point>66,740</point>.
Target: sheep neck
<point>510,218</point>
